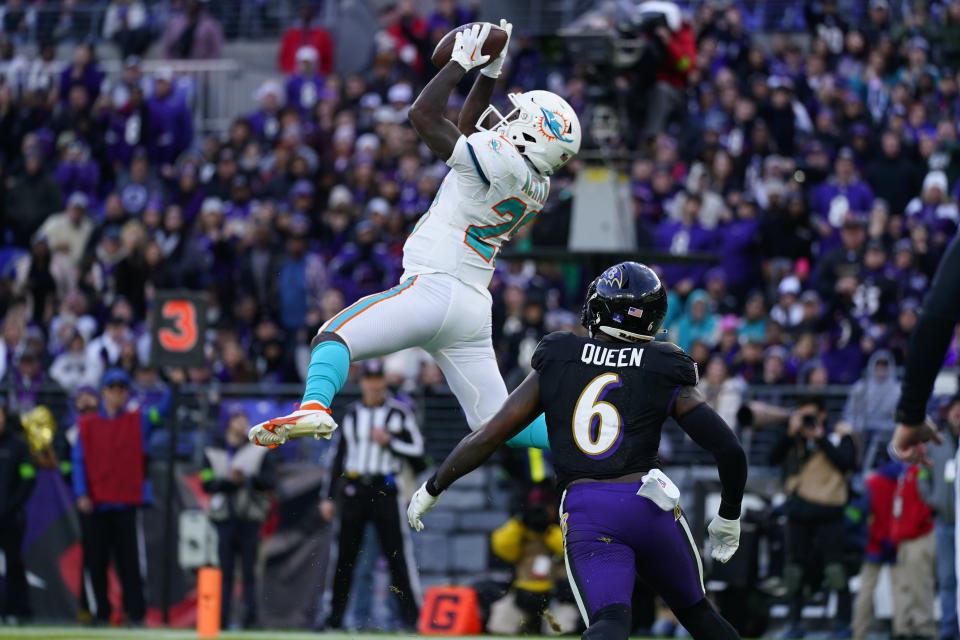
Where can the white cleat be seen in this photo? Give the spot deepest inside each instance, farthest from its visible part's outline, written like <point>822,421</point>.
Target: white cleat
<point>310,419</point>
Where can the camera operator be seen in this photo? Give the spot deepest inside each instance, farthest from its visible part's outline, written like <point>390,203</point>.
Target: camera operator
<point>673,48</point>
<point>815,466</point>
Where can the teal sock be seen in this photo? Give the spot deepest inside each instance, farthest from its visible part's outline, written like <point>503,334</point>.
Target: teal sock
<point>329,364</point>
<point>535,435</point>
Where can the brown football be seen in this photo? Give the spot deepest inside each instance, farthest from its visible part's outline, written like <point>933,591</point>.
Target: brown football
<point>492,46</point>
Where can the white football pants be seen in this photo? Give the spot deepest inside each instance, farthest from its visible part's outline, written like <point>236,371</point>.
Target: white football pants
<point>446,318</point>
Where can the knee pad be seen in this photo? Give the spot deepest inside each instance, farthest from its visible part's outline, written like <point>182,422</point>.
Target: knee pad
<point>610,623</point>
<point>834,576</point>
<point>793,578</point>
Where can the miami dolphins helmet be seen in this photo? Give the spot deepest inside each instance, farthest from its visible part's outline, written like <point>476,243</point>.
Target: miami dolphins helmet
<point>542,126</point>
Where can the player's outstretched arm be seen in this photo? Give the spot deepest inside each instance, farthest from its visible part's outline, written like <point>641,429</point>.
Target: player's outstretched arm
<point>520,408</point>
<point>928,346</point>
<point>426,113</point>
<point>709,431</point>
<point>482,90</point>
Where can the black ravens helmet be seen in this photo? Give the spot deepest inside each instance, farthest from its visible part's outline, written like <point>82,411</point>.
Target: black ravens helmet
<point>627,302</point>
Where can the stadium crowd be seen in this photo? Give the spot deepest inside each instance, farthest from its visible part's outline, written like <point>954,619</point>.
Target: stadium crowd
<point>822,171</point>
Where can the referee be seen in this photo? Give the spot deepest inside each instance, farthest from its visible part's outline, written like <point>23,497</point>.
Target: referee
<point>377,435</point>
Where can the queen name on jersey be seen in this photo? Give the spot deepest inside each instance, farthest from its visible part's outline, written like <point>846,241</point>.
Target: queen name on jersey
<point>605,403</point>
<point>490,194</point>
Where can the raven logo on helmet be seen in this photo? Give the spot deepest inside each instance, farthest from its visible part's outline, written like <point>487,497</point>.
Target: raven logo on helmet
<point>613,276</point>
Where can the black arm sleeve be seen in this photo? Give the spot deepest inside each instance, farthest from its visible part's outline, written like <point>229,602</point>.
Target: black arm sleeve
<point>931,337</point>
<point>709,431</point>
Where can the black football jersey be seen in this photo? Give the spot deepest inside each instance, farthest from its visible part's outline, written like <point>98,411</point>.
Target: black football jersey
<point>605,402</point>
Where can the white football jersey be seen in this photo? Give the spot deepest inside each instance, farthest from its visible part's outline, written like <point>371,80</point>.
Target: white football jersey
<point>489,194</point>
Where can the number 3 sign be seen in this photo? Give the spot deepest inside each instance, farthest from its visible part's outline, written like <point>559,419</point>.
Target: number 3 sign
<point>179,323</point>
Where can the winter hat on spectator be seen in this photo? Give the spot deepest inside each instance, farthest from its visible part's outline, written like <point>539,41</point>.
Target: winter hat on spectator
<point>789,286</point>
<point>368,143</point>
<point>935,179</point>
<point>340,196</point>
<point>269,88</point>
<point>115,376</point>
<point>729,322</point>
<point>164,74</point>
<point>371,101</point>
<point>78,199</point>
<point>307,54</point>
<point>302,188</point>
<point>378,206</point>
<point>400,93</point>
<point>211,205</point>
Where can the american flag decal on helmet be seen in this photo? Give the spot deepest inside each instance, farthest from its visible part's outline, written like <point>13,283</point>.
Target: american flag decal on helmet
<point>636,313</point>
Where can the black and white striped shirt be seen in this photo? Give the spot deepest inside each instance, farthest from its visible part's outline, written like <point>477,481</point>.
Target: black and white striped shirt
<point>358,454</point>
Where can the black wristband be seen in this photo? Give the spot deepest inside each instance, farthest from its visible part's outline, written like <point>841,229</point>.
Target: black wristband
<point>728,511</point>
<point>432,487</point>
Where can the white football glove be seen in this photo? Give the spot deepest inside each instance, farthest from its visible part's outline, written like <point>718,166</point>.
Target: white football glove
<point>468,46</point>
<point>724,538</point>
<point>420,504</point>
<point>492,70</point>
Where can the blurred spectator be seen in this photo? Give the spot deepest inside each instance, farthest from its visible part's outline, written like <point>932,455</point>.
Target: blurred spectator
<point>307,32</point>
<point>533,543</point>
<point>936,488</point>
<point>33,196</point>
<point>676,50</point>
<point>301,278</point>
<point>127,24</point>
<point>17,479</point>
<point>698,322</point>
<point>239,478</point>
<point>171,122</point>
<point>305,85</point>
<point>913,576</point>
<point>110,483</point>
<point>192,32</point>
<point>815,465</point>
<point>68,232</point>
<point>870,405</point>
<point>881,486</point>
<point>82,71</point>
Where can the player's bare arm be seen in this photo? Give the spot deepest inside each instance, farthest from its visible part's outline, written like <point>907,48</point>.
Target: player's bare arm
<point>476,103</point>
<point>520,408</point>
<point>482,90</point>
<point>426,113</point>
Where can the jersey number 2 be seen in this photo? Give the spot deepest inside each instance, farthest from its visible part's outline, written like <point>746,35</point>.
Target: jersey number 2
<point>597,427</point>
<point>511,208</point>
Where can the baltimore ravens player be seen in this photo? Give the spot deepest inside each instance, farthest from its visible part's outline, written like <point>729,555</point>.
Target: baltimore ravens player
<point>499,181</point>
<point>606,397</point>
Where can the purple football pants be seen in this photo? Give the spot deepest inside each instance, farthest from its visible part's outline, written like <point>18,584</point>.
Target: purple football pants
<point>612,535</point>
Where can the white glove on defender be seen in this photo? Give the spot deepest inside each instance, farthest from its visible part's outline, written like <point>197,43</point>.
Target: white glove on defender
<point>420,504</point>
<point>468,46</point>
<point>724,538</point>
<point>492,70</point>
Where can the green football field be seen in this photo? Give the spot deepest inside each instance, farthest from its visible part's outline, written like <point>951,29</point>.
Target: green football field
<point>84,633</point>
